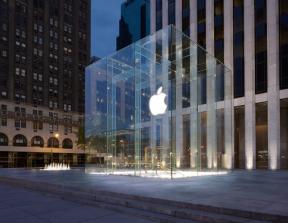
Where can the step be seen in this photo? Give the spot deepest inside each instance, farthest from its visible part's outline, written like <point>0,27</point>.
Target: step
<point>148,206</point>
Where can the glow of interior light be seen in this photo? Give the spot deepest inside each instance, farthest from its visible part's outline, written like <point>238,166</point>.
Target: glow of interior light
<point>249,160</point>
<point>249,164</point>
<point>273,163</point>
<point>161,173</point>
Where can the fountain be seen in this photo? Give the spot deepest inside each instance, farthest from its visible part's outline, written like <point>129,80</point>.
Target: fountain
<point>57,166</point>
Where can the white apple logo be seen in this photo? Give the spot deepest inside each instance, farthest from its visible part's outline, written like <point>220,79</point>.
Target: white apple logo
<point>157,104</point>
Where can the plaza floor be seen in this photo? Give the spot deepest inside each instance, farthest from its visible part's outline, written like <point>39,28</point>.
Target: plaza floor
<point>259,191</point>
<point>23,206</point>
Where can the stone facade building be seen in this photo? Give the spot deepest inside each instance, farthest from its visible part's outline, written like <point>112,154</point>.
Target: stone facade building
<point>44,48</point>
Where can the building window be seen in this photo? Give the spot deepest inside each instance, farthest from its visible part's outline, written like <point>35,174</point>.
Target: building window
<point>53,142</point>
<point>186,17</point>
<point>260,47</point>
<point>67,144</point>
<point>4,94</point>
<point>3,139</point>
<point>283,43</point>
<point>261,136</point>
<point>171,12</point>
<point>4,53</point>
<point>201,57</point>
<point>239,137</point>
<point>4,115</point>
<point>219,29</point>
<point>20,117</point>
<point>284,134</point>
<point>17,71</point>
<point>158,14</point>
<point>19,140</point>
<point>37,141</point>
<point>238,54</point>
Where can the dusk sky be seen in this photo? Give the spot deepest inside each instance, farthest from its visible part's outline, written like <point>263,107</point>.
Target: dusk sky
<point>105,16</point>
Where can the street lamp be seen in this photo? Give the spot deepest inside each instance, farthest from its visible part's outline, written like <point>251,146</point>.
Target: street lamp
<point>56,135</point>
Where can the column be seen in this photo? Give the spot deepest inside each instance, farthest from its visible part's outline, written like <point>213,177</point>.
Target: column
<point>164,13</point>
<point>273,84</point>
<point>211,105</point>
<point>178,112</point>
<point>228,90</point>
<point>193,86</point>
<point>249,60</point>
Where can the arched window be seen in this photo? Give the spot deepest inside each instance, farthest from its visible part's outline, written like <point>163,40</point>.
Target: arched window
<point>37,141</point>
<point>53,142</point>
<point>19,140</point>
<point>3,139</point>
<point>67,144</point>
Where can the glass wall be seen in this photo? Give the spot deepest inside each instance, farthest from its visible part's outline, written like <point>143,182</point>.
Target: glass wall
<point>135,120</point>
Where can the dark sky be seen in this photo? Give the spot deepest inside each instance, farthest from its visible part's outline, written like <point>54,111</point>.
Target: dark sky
<point>105,16</point>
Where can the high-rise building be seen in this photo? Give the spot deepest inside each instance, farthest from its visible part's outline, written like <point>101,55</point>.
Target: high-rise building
<point>251,38</point>
<point>44,47</point>
<point>134,23</point>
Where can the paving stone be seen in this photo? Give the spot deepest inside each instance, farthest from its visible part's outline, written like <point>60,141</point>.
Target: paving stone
<point>264,191</point>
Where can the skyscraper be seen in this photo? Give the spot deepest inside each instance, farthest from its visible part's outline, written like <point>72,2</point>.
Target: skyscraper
<point>250,37</point>
<point>44,46</point>
<point>134,23</point>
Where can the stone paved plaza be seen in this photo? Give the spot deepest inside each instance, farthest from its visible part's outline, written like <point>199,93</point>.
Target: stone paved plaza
<point>259,191</point>
<point>19,205</point>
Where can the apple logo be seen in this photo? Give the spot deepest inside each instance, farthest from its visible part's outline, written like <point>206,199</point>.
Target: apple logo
<point>157,104</point>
